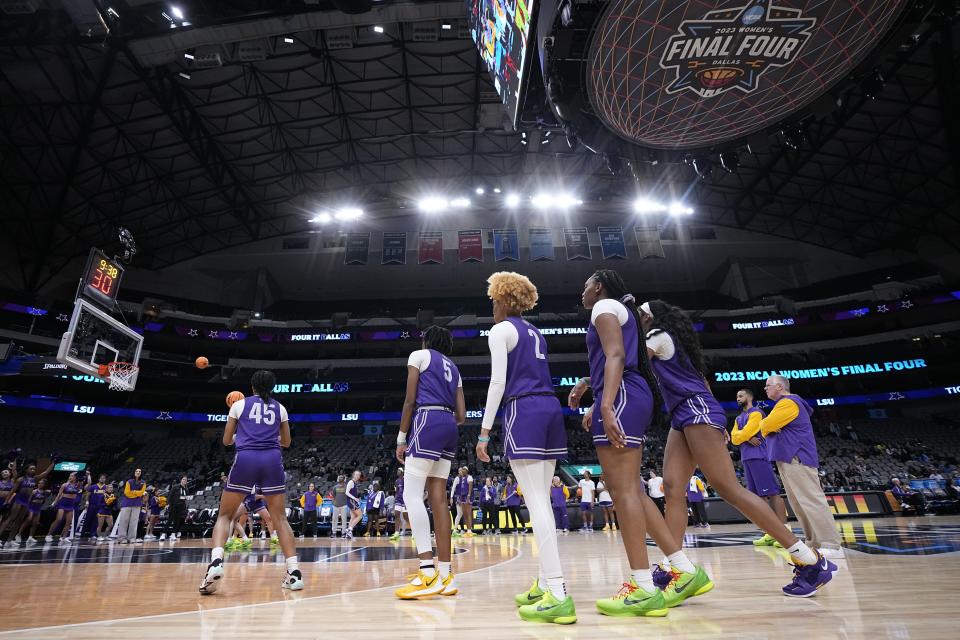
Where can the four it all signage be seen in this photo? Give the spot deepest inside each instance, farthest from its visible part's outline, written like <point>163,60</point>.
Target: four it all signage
<point>731,48</point>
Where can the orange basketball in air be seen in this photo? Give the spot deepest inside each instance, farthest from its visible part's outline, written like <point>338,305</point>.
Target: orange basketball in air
<point>232,397</point>
<point>202,362</point>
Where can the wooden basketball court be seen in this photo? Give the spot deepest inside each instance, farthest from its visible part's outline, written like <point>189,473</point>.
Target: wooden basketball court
<point>899,580</point>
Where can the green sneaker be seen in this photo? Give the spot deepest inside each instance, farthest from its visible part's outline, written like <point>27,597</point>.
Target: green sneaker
<point>231,544</point>
<point>244,544</point>
<point>549,609</point>
<point>686,585</point>
<point>766,540</point>
<point>777,545</point>
<point>631,600</point>
<point>274,540</point>
<point>395,536</point>
<point>531,595</point>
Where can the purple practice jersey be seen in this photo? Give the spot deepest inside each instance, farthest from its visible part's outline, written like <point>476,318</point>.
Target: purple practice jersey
<point>631,362</point>
<point>747,450</point>
<point>438,382</point>
<point>677,377</point>
<point>398,484</point>
<point>527,370</point>
<point>259,424</point>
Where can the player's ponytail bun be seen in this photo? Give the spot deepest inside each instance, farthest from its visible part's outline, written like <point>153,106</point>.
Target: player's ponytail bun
<point>263,382</point>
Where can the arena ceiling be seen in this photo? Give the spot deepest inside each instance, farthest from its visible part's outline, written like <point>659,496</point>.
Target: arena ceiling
<point>314,108</point>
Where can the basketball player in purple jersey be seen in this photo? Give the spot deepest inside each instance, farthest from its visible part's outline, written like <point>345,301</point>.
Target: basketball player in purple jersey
<point>625,396</point>
<point>534,434</point>
<point>22,490</point>
<point>259,427</point>
<point>698,438</point>
<point>433,408</point>
<point>399,508</point>
<point>757,471</point>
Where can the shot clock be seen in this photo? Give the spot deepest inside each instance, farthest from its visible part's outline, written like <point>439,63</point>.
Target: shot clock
<point>101,278</point>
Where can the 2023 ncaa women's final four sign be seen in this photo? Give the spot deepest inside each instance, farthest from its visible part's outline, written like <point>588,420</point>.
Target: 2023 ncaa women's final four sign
<point>681,75</point>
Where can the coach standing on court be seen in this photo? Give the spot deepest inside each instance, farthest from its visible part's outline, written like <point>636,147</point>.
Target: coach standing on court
<point>178,508</point>
<point>790,443</point>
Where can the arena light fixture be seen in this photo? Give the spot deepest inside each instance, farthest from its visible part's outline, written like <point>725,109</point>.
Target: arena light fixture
<point>177,13</point>
<point>545,200</point>
<point>460,203</point>
<point>288,40</point>
<point>188,56</point>
<point>512,200</point>
<point>645,205</point>
<point>679,209</point>
<point>377,29</point>
<point>322,218</point>
<point>446,26</point>
<point>479,191</point>
<point>433,204</point>
<point>348,213</point>
<point>496,189</point>
<point>541,201</point>
<point>185,76</point>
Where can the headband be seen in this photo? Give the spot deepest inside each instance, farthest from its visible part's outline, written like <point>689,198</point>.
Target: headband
<point>645,307</point>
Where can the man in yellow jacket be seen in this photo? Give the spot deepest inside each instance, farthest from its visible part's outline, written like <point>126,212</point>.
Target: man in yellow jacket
<point>790,443</point>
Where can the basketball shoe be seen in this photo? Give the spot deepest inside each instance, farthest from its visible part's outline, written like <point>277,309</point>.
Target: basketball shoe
<point>531,595</point>
<point>449,586</point>
<point>808,578</point>
<point>420,586</point>
<point>212,578</point>
<point>766,540</point>
<point>686,585</point>
<point>631,600</point>
<point>293,580</point>
<point>549,609</point>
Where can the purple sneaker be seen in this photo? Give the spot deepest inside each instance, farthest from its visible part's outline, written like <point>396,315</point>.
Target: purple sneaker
<point>661,577</point>
<point>808,578</point>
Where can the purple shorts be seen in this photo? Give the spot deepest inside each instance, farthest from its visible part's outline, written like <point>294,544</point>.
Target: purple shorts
<point>67,504</point>
<point>533,429</point>
<point>760,479</point>
<point>698,409</point>
<point>434,435</point>
<point>586,506</point>
<point>262,468</point>
<point>633,408</point>
<point>34,509</point>
<point>605,503</point>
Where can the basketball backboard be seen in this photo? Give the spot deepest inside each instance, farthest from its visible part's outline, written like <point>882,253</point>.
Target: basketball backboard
<point>95,338</point>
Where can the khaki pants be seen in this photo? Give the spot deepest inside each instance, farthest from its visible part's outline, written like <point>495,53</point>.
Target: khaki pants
<point>802,484</point>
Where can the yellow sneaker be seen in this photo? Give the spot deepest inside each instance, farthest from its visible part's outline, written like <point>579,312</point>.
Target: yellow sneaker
<point>468,534</point>
<point>421,586</point>
<point>606,527</point>
<point>449,586</point>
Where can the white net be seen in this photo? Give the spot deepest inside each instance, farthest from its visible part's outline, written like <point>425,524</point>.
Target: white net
<point>122,375</point>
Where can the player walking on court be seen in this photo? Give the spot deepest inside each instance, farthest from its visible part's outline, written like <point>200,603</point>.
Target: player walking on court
<point>432,409</point>
<point>534,435</point>
<point>353,504</point>
<point>259,427</point>
<point>698,438</point>
<point>625,396</point>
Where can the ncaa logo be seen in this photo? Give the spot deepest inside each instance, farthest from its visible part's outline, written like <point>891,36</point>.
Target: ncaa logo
<point>732,48</point>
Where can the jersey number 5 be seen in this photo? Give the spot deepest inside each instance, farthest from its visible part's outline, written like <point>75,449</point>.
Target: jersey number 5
<point>447,372</point>
<point>536,344</point>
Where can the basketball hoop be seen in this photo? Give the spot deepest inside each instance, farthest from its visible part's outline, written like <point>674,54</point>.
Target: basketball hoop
<point>120,375</point>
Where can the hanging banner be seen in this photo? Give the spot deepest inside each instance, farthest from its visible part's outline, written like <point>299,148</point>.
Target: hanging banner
<point>648,241</point>
<point>541,245</point>
<point>612,243</point>
<point>394,247</point>
<point>358,248</point>
<point>506,245</point>
<point>578,243</point>
<point>431,247</point>
<point>470,245</point>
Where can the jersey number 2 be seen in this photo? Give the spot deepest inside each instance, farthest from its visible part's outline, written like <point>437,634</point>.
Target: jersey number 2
<point>536,344</point>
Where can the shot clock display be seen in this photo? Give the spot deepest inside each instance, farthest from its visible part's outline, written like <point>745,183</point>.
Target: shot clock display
<point>101,279</point>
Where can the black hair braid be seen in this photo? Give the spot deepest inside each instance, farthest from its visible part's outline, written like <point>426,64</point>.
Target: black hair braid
<point>438,339</point>
<point>615,287</point>
<point>263,382</point>
<point>675,321</point>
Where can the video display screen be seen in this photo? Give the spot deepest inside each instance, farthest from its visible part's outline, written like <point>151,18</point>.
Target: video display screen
<point>501,31</point>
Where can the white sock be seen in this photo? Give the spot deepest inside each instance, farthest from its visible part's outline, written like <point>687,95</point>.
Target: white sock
<point>444,569</point>
<point>802,553</point>
<point>292,564</point>
<point>644,579</point>
<point>665,563</point>
<point>217,554</point>
<point>557,588</point>
<point>681,562</point>
<point>415,479</point>
<point>428,568</point>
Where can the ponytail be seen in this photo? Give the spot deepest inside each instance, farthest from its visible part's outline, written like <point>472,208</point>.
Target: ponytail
<point>263,382</point>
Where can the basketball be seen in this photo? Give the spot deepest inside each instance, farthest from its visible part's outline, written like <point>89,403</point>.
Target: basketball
<point>232,397</point>
<point>202,362</point>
